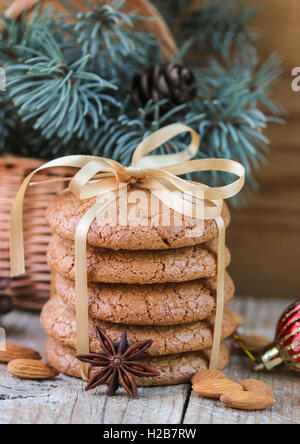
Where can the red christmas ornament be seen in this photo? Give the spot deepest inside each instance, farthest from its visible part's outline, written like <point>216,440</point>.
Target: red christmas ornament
<point>286,349</point>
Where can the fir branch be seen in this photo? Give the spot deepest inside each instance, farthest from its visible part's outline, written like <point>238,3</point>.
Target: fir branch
<point>228,114</point>
<point>63,97</point>
<point>16,33</point>
<point>27,142</point>
<point>223,26</point>
<point>68,79</point>
<point>260,78</point>
<point>120,135</point>
<point>13,33</point>
<point>101,27</point>
<point>112,40</point>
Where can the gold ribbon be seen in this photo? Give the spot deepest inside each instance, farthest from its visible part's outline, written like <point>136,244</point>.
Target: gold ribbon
<point>100,177</point>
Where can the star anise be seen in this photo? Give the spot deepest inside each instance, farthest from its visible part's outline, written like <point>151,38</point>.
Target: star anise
<point>118,364</point>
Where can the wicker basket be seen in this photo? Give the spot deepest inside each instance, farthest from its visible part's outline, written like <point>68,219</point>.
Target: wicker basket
<point>32,290</point>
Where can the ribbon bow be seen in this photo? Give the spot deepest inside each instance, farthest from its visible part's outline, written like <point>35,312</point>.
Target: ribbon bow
<point>98,176</point>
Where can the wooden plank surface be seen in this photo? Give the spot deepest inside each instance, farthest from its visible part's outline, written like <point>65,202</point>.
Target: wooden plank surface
<point>63,400</point>
<point>261,317</point>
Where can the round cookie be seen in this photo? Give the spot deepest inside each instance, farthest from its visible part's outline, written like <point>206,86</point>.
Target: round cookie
<point>174,369</point>
<point>59,322</point>
<point>163,229</point>
<point>156,304</point>
<point>137,267</point>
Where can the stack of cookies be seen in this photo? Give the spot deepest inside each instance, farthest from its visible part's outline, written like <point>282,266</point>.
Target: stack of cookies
<point>155,281</point>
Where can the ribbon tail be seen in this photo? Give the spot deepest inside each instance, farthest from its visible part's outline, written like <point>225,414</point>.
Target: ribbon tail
<point>81,290</point>
<point>81,282</point>
<point>16,238</point>
<point>215,353</point>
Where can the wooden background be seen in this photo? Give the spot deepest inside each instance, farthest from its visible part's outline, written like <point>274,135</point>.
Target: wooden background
<point>265,236</point>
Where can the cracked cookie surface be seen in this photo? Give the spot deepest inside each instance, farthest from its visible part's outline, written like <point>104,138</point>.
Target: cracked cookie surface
<point>156,304</point>
<point>165,228</point>
<point>59,322</point>
<point>174,369</point>
<point>137,267</point>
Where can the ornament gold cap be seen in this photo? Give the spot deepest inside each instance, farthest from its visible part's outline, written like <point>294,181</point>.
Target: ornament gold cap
<point>269,360</point>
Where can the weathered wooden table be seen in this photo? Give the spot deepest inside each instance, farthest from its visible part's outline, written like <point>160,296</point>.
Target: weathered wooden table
<point>63,400</point>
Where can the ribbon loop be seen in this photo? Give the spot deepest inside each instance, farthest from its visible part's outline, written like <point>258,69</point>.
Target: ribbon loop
<point>98,177</point>
<point>155,140</point>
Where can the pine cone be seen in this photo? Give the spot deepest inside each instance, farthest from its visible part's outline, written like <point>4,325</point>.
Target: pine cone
<point>168,81</point>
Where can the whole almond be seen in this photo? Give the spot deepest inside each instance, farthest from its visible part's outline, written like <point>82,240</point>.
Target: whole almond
<point>207,374</point>
<point>31,369</point>
<point>15,351</point>
<point>214,388</point>
<point>247,400</point>
<point>253,385</point>
<point>255,343</point>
